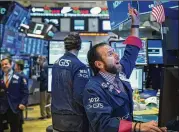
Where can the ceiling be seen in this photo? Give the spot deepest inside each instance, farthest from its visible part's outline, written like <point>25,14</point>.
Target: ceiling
<point>58,3</point>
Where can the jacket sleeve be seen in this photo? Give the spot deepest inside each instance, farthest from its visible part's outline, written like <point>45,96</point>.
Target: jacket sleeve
<point>24,90</point>
<point>43,74</point>
<point>133,45</point>
<point>99,111</point>
<point>81,78</point>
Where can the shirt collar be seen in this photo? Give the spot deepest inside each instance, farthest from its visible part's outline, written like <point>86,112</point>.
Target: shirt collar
<point>108,76</point>
<point>9,73</point>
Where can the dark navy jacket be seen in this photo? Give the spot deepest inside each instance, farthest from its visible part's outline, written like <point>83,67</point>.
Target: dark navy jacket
<point>15,94</point>
<point>69,77</point>
<point>106,108</point>
<point>43,77</point>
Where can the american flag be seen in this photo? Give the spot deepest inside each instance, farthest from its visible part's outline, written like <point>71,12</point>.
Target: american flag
<point>158,13</point>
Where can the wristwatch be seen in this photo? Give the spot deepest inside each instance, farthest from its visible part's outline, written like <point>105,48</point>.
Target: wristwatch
<point>135,26</point>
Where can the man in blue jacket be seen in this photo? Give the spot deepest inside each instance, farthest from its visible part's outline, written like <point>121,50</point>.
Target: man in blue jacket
<point>108,95</point>
<point>45,97</point>
<point>69,76</point>
<point>13,95</point>
<point>19,67</point>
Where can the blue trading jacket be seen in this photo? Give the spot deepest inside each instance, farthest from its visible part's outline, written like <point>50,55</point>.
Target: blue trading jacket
<point>69,77</point>
<point>105,107</point>
<point>15,94</point>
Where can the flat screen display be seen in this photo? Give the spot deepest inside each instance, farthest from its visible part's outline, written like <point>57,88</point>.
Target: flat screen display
<point>119,47</point>
<point>34,46</point>
<point>93,24</point>
<point>106,26</point>
<point>155,52</point>
<point>49,79</point>
<point>136,79</point>
<point>56,50</point>
<point>65,25</point>
<point>9,38</point>
<point>79,24</point>
<point>18,15</point>
<point>82,55</point>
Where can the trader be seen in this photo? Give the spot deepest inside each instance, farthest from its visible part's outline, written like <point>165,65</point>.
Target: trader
<point>108,95</point>
<point>13,95</point>
<point>69,76</point>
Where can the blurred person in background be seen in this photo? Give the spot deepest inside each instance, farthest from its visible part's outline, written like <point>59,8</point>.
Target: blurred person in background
<point>45,97</point>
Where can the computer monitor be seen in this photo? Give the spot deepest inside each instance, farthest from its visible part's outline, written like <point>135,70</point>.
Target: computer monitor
<point>136,79</point>
<point>106,26</point>
<point>79,25</point>
<point>119,47</point>
<point>169,96</point>
<point>17,14</point>
<point>56,50</point>
<point>34,46</point>
<point>49,79</point>
<point>85,47</point>
<point>155,51</point>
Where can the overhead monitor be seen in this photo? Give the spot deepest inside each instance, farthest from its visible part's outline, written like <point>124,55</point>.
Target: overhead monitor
<point>106,26</point>
<point>34,46</point>
<point>65,24</point>
<point>155,51</point>
<point>16,15</point>
<point>9,39</point>
<point>93,25</point>
<point>85,47</point>
<point>119,47</point>
<point>49,79</point>
<point>56,50</point>
<point>79,25</point>
<point>136,79</point>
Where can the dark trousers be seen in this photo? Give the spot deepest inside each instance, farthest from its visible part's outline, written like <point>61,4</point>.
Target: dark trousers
<point>14,119</point>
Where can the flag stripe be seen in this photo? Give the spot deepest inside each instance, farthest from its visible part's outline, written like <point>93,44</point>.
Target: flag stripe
<point>158,13</point>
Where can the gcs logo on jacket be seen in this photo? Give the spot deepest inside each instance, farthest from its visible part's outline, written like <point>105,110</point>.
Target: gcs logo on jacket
<point>64,62</point>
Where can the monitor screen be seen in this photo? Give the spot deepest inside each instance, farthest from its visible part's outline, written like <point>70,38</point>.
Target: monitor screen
<point>65,24</point>
<point>155,53</point>
<point>18,15</point>
<point>119,47</point>
<point>34,46</point>
<point>19,42</point>
<point>56,50</point>
<point>38,28</point>
<point>49,79</point>
<point>82,55</point>
<point>27,72</point>
<point>93,24</point>
<point>136,79</point>
<point>9,38</point>
<point>106,26</point>
<point>79,25</point>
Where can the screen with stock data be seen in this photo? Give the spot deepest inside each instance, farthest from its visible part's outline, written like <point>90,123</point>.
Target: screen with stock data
<point>119,47</point>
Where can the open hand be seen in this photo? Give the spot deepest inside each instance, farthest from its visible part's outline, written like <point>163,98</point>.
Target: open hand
<point>134,15</point>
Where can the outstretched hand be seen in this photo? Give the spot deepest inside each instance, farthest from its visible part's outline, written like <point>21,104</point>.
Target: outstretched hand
<point>134,15</point>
